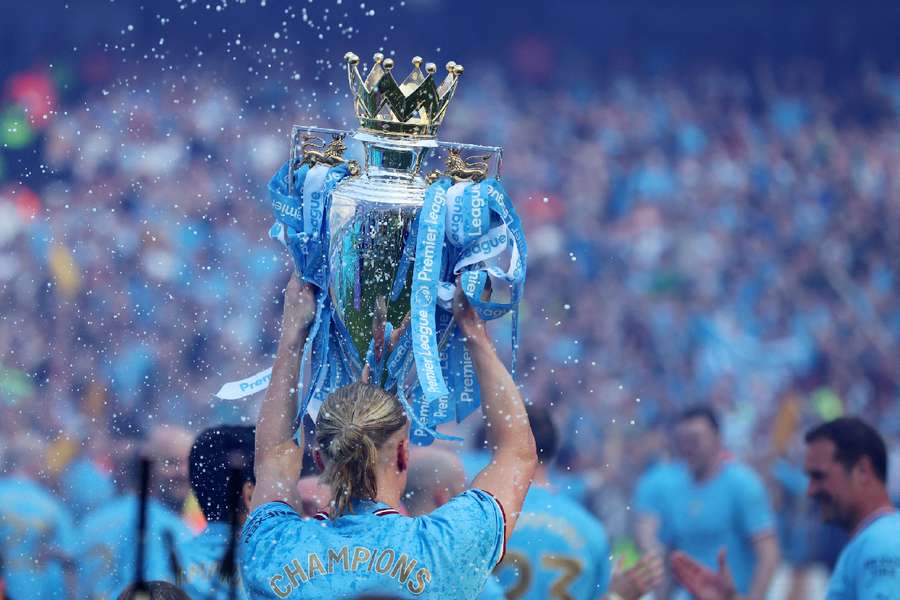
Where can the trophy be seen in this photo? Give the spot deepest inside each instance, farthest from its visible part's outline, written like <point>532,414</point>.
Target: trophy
<point>385,241</point>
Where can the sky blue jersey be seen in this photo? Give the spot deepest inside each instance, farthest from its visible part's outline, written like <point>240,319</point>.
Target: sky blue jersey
<point>729,510</point>
<point>85,488</point>
<point>492,590</point>
<point>200,559</point>
<point>558,550</point>
<point>869,566</point>
<point>106,547</point>
<point>37,536</point>
<point>448,553</point>
<point>654,489</point>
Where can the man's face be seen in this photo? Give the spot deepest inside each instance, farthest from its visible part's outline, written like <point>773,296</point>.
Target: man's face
<point>697,443</point>
<point>831,486</point>
<point>170,448</point>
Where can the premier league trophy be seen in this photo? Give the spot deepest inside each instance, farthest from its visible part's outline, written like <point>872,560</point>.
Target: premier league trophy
<point>386,244</point>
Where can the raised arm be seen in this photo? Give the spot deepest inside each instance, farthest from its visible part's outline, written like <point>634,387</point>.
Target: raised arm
<point>278,458</point>
<point>514,457</point>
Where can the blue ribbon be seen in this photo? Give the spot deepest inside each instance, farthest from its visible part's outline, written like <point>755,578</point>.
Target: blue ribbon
<point>423,302</point>
<point>466,229</point>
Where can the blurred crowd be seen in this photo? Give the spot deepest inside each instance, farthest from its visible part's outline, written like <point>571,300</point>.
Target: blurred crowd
<point>703,234</point>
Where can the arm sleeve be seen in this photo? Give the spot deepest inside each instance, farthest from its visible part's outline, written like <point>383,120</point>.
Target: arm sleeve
<point>265,520</point>
<point>472,526</point>
<point>265,526</point>
<point>878,570</point>
<point>755,515</point>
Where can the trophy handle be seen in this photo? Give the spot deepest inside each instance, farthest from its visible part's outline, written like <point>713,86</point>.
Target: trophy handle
<point>474,167</point>
<point>310,149</point>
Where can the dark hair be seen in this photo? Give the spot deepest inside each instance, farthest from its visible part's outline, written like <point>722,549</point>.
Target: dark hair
<point>699,411</point>
<point>210,463</point>
<point>853,439</point>
<point>158,590</point>
<point>546,437</point>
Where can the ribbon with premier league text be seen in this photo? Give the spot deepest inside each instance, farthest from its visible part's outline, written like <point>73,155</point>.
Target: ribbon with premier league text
<point>467,232</point>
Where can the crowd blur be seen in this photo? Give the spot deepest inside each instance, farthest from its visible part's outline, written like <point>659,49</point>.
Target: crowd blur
<point>696,234</point>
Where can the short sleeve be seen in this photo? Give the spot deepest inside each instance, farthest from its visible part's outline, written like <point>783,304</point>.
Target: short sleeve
<point>755,514</point>
<point>473,526</point>
<point>878,570</point>
<point>265,520</point>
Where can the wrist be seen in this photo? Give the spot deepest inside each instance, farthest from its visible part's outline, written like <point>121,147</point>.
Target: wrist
<point>292,339</point>
<point>476,336</point>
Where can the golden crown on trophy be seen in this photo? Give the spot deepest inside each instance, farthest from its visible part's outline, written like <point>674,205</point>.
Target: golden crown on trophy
<point>414,108</point>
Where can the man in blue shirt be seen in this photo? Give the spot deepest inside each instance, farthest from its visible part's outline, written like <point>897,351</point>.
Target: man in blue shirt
<point>559,549</point>
<point>37,532</point>
<point>364,545</point>
<point>216,455</point>
<point>720,503</point>
<point>106,547</point>
<point>846,462</point>
<point>654,488</point>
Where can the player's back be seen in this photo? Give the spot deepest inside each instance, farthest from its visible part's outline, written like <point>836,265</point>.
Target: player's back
<point>37,535</point>
<point>558,550</point>
<point>448,553</point>
<point>106,546</point>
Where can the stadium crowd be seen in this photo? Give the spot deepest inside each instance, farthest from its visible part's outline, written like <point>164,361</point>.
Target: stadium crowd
<point>696,235</point>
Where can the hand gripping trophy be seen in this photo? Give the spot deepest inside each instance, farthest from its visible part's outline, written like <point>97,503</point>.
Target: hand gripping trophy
<point>386,245</point>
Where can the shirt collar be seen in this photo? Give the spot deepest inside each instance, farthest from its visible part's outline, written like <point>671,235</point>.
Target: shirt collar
<point>364,507</point>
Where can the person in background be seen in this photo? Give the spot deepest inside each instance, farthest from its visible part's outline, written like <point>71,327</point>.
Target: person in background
<point>37,532</point>
<point>169,446</point>
<point>846,462</point>
<point>721,504</point>
<point>106,539</point>
<point>216,453</point>
<point>436,476</point>
<point>653,490</point>
<point>559,549</point>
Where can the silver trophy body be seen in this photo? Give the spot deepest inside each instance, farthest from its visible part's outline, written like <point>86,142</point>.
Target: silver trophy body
<point>369,222</point>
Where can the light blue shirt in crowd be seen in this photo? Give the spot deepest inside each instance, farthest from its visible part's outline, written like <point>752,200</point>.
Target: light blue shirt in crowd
<point>37,536</point>
<point>448,553</point>
<point>200,560</point>
<point>869,566</point>
<point>729,510</point>
<point>106,547</point>
<point>654,489</point>
<point>85,488</point>
<point>558,550</point>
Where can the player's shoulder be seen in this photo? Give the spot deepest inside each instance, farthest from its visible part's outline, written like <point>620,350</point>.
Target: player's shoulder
<point>269,517</point>
<point>739,473</point>
<point>469,509</point>
<point>881,538</point>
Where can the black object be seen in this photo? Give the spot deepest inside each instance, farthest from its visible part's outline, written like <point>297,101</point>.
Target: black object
<point>140,585</point>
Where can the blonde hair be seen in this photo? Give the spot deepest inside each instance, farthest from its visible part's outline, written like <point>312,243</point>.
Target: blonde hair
<point>353,423</point>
